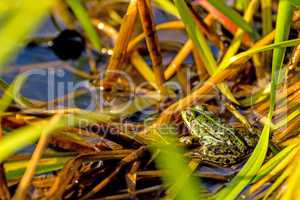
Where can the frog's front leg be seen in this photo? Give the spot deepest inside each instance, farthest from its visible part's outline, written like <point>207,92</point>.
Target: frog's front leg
<point>189,140</point>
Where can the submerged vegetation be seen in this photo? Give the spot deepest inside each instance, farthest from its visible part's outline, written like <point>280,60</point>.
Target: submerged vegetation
<point>167,99</point>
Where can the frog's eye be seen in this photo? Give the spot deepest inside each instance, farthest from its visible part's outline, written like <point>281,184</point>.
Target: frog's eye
<point>227,161</point>
<point>188,115</point>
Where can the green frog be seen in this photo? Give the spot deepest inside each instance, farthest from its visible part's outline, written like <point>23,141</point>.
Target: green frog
<point>219,143</point>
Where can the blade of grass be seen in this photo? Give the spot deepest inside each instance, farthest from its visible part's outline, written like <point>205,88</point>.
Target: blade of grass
<point>11,93</point>
<point>235,17</point>
<point>201,45</point>
<point>170,159</point>
<point>85,21</point>
<point>241,4</point>
<point>15,169</point>
<point>19,138</point>
<point>292,191</point>
<point>224,20</point>
<point>254,163</point>
<point>29,14</point>
<point>266,12</point>
<point>247,54</point>
<point>141,65</point>
<point>237,40</point>
<point>32,165</point>
<point>167,6</point>
<point>284,162</point>
<point>295,3</point>
<point>268,166</point>
<point>278,182</point>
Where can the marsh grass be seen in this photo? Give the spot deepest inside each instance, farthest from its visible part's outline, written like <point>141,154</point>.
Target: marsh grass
<point>152,143</point>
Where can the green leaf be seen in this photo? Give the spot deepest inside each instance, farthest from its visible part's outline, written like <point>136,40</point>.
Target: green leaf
<point>295,3</point>
<point>26,17</point>
<point>201,45</point>
<point>273,162</point>
<point>84,20</point>
<point>167,6</point>
<point>175,167</point>
<point>12,92</point>
<point>245,54</point>
<point>235,17</point>
<point>254,163</point>
<point>249,170</point>
<point>25,136</point>
<point>16,169</point>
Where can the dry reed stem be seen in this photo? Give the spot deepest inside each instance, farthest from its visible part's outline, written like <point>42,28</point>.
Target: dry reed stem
<point>120,49</point>
<point>179,58</point>
<point>181,104</point>
<point>279,136</point>
<point>201,71</point>
<point>131,178</point>
<point>152,42</point>
<point>128,159</point>
<point>25,182</point>
<point>72,166</point>
<point>163,26</point>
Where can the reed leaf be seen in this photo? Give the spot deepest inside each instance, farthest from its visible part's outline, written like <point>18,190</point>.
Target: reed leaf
<point>268,166</point>
<point>15,169</point>
<point>19,138</point>
<point>85,21</point>
<point>24,20</point>
<point>201,45</point>
<point>295,3</point>
<point>247,54</point>
<point>254,163</point>
<point>177,173</point>
<point>11,93</point>
<point>167,6</point>
<point>235,17</point>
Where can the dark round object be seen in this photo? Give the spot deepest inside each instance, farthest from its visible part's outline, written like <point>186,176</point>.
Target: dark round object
<point>68,45</point>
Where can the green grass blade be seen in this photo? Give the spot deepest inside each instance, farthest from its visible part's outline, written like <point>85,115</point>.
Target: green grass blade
<point>201,45</point>
<point>167,6</point>
<point>245,54</point>
<point>26,18</point>
<point>241,4</point>
<point>295,3</point>
<point>244,177</point>
<point>277,183</point>
<point>237,40</point>
<point>285,12</point>
<point>254,163</point>
<point>25,136</point>
<point>235,17</point>
<point>11,93</point>
<point>273,162</point>
<point>16,169</point>
<point>266,9</point>
<point>256,97</point>
<point>289,118</point>
<point>176,173</point>
<point>84,20</point>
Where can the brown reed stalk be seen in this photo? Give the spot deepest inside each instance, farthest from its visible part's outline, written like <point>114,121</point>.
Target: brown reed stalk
<point>152,42</point>
<point>120,50</point>
<point>135,155</point>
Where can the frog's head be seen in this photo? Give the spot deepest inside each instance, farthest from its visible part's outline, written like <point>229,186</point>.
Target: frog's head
<point>196,112</point>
